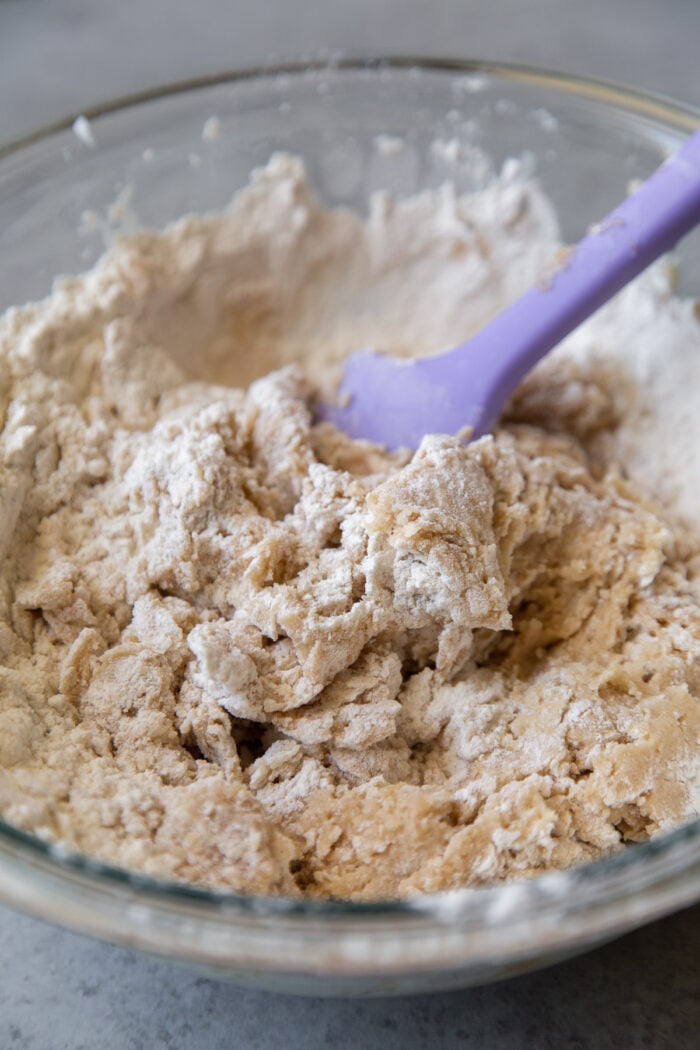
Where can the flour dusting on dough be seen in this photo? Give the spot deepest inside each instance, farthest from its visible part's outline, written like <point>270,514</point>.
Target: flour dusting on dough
<point>240,649</point>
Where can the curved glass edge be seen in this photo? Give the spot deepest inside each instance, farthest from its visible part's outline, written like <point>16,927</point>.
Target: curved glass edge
<point>580,886</point>
<point>305,949</point>
<point>575,888</point>
<point>653,104</point>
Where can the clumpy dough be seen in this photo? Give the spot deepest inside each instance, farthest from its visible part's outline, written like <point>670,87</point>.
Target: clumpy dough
<point>242,650</point>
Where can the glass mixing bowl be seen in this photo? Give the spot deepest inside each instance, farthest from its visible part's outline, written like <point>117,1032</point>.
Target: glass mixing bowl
<point>403,125</point>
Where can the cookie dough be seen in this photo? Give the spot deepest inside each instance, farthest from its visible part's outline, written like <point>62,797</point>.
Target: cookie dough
<point>239,649</point>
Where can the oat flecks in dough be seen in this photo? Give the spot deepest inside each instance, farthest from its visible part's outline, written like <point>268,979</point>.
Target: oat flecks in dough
<point>240,649</point>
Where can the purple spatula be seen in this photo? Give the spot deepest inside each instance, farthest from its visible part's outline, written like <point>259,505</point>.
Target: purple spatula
<point>396,402</point>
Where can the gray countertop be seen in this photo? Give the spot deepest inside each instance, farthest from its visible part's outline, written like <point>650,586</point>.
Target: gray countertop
<point>59,991</point>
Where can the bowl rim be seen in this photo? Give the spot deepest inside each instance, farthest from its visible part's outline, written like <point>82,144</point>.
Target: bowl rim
<point>651,103</point>
<point>575,890</point>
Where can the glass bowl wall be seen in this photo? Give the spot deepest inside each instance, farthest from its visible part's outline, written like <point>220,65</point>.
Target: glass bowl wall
<point>401,125</point>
